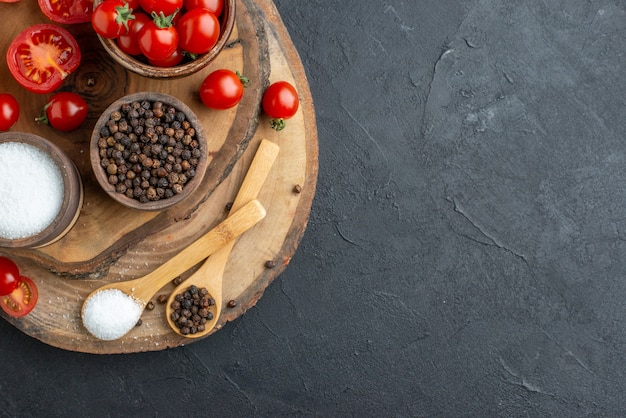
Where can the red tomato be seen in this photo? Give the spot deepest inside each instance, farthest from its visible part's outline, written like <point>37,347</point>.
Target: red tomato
<point>22,299</point>
<point>9,112</point>
<point>214,6</point>
<point>171,61</point>
<point>110,18</point>
<point>280,102</point>
<point>9,276</point>
<point>198,31</point>
<point>222,89</point>
<point>158,39</point>
<point>65,111</point>
<point>133,4</point>
<point>67,11</point>
<point>128,42</point>
<point>42,56</point>
<point>168,7</point>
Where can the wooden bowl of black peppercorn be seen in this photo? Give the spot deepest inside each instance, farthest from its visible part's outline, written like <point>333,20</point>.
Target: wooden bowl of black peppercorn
<point>148,151</point>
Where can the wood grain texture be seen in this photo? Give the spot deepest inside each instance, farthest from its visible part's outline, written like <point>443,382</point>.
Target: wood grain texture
<point>110,243</point>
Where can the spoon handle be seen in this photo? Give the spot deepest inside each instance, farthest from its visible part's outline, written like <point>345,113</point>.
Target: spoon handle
<point>213,267</point>
<point>257,173</point>
<point>225,232</point>
<point>250,187</point>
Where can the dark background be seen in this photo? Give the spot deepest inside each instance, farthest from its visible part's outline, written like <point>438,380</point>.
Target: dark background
<point>466,250</point>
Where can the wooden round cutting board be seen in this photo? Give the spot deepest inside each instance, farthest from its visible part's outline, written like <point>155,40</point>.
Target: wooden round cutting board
<point>111,243</point>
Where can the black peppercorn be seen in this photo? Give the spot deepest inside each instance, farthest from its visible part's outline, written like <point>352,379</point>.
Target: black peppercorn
<point>193,310</point>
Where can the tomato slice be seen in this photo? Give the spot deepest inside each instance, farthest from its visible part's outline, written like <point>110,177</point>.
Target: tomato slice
<point>22,300</point>
<point>42,56</point>
<point>67,11</point>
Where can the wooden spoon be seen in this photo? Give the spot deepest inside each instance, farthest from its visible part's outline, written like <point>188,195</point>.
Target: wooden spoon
<point>97,317</point>
<point>211,273</point>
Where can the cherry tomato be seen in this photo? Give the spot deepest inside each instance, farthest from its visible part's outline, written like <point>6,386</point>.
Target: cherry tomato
<point>214,6</point>
<point>198,31</point>
<point>133,4</point>
<point>128,42</point>
<point>168,7</point>
<point>280,102</point>
<point>65,111</point>
<point>42,56</point>
<point>22,299</point>
<point>9,276</point>
<point>110,18</point>
<point>222,89</point>
<point>67,11</point>
<point>171,61</point>
<point>158,39</point>
<point>9,111</point>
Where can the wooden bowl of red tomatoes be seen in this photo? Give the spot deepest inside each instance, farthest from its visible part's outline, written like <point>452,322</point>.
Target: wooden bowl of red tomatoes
<point>163,38</point>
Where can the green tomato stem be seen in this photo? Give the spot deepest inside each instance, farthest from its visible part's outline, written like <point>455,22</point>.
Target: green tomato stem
<point>43,116</point>
<point>163,21</point>
<point>244,80</point>
<point>278,124</point>
<point>124,14</point>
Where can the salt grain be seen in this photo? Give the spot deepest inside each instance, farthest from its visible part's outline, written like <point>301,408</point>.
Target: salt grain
<point>109,314</point>
<point>32,190</point>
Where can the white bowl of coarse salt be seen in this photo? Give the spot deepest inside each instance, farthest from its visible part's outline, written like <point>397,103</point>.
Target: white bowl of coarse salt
<point>41,192</point>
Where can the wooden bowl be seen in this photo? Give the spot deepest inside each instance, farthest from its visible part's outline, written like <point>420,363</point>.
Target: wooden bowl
<point>142,67</point>
<point>72,193</point>
<point>102,175</point>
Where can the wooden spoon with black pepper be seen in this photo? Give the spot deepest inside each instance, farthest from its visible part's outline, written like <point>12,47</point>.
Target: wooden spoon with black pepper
<point>204,287</point>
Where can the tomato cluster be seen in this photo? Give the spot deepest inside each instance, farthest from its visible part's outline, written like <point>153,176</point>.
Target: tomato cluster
<point>223,89</point>
<point>162,31</point>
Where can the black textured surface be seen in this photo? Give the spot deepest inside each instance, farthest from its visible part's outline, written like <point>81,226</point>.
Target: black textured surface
<point>465,253</point>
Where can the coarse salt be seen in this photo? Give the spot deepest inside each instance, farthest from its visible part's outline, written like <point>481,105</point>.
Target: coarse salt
<point>32,190</point>
<point>109,314</point>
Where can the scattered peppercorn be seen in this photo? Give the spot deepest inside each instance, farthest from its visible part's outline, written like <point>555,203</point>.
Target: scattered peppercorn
<point>297,189</point>
<point>270,264</point>
<point>229,206</point>
<point>162,298</point>
<point>150,306</point>
<point>231,303</point>
<point>139,322</point>
<point>177,280</point>
<point>191,309</point>
<point>149,150</point>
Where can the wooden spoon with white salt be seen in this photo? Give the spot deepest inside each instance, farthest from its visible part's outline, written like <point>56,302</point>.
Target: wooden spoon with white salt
<point>112,310</point>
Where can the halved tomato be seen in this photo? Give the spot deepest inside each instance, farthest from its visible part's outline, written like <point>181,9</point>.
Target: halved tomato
<point>22,300</point>
<point>42,56</point>
<point>67,11</point>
